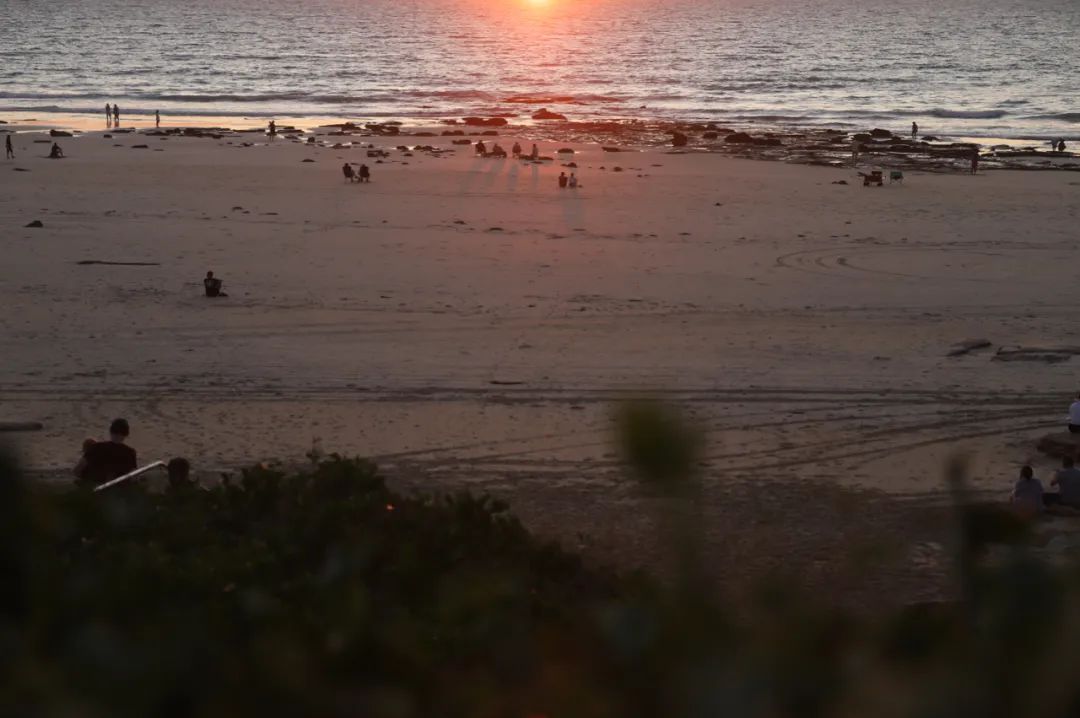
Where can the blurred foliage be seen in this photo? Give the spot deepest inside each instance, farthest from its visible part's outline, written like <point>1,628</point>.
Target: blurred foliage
<point>323,593</point>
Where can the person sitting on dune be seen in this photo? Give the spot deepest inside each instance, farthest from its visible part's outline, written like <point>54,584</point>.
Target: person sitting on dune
<point>1027,495</point>
<point>55,153</point>
<point>1067,481</point>
<point>212,286</point>
<point>106,460</point>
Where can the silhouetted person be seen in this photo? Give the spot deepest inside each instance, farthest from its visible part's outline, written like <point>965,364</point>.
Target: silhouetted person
<point>157,119</point>
<point>9,151</point>
<point>481,148</point>
<point>1067,481</point>
<point>516,150</point>
<point>497,150</point>
<point>562,180</point>
<point>272,130</point>
<point>365,174</point>
<point>108,115</point>
<point>1061,145</point>
<point>535,153</point>
<point>1028,492</point>
<point>106,460</point>
<point>179,474</point>
<point>974,161</point>
<point>914,130</point>
<point>1074,416</point>
<point>212,286</point>
<point>573,181</point>
<point>55,153</point>
<point>116,114</point>
<point>347,170</point>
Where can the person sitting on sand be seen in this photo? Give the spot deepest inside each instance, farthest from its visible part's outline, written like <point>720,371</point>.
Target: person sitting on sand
<point>347,170</point>
<point>516,150</point>
<point>9,151</point>
<point>106,460</point>
<point>1027,494</point>
<point>562,180</point>
<point>365,174</point>
<point>55,153</point>
<point>573,181</point>
<point>1067,481</point>
<point>535,155</point>
<point>497,150</point>
<point>212,286</point>
<point>481,148</point>
<point>1074,416</point>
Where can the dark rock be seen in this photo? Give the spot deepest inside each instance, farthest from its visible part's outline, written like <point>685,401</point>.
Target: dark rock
<point>616,169</point>
<point>1059,445</point>
<point>59,133</point>
<point>739,138</point>
<point>462,142</point>
<point>36,223</point>
<point>767,141</point>
<point>840,182</point>
<point>564,151</point>
<point>20,169</point>
<point>612,149</point>
<point>878,132</point>
<point>861,137</point>
<point>307,160</point>
<point>571,164</point>
<point>108,137</point>
<point>140,147</point>
<point>453,133</point>
<point>678,139</point>
<point>710,135</point>
<point>485,122</point>
<point>546,114</point>
<point>968,346</point>
<point>930,138</point>
<point>489,133</point>
<point>423,134</point>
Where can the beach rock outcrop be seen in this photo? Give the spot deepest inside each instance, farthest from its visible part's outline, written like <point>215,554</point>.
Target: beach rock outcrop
<point>545,114</point>
<point>564,151</point>
<point>710,135</point>
<point>485,121</point>
<point>59,133</point>
<point>739,138</point>
<point>678,139</point>
<point>878,132</point>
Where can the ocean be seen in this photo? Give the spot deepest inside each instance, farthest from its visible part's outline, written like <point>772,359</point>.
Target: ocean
<point>994,68</point>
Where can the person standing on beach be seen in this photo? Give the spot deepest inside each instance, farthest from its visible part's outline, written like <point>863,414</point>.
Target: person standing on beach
<point>157,119</point>
<point>974,160</point>
<point>116,115</point>
<point>9,151</point>
<point>562,180</point>
<point>272,130</point>
<point>855,153</point>
<point>108,115</point>
<point>914,130</point>
<point>1061,145</point>
<point>535,153</point>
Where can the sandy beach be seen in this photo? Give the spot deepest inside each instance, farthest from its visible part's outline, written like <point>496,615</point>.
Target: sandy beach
<point>465,322</point>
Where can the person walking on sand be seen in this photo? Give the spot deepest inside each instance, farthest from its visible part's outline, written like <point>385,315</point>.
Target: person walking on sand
<point>914,130</point>
<point>9,151</point>
<point>157,119</point>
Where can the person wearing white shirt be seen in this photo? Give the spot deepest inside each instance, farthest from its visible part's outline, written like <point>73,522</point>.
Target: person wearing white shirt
<point>1074,416</point>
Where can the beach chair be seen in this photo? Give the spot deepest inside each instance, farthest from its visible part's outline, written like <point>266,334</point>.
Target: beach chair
<point>896,176</point>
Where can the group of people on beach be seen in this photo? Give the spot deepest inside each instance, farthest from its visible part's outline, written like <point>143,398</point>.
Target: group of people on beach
<point>112,116</point>
<point>361,175</point>
<point>497,151</point>
<point>1057,145</point>
<point>1029,496</point>
<point>103,461</point>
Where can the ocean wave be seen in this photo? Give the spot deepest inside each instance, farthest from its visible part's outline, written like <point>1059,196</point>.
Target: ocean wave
<point>1060,116</point>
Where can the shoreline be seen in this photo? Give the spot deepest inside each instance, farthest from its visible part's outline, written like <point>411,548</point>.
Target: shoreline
<point>880,148</point>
